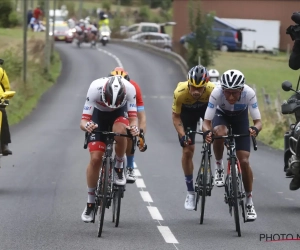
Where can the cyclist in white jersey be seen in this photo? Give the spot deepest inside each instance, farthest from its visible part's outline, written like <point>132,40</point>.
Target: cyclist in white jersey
<point>229,104</point>
<point>108,103</point>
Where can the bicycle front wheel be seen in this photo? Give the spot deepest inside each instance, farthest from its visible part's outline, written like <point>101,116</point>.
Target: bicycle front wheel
<point>204,185</point>
<point>103,201</point>
<point>117,197</point>
<point>234,195</point>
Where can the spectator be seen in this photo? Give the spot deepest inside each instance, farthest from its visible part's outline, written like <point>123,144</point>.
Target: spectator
<point>29,16</point>
<point>5,134</point>
<point>37,13</point>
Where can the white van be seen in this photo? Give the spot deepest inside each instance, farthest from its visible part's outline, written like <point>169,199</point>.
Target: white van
<point>146,27</point>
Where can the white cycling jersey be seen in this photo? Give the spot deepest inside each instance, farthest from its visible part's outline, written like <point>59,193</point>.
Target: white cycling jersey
<point>94,99</point>
<point>218,101</point>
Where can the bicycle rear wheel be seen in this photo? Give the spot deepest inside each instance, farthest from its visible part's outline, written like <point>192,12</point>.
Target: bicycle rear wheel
<point>103,201</point>
<point>204,185</point>
<point>235,197</point>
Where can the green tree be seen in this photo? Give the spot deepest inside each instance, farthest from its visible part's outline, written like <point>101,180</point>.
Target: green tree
<point>6,8</point>
<point>200,44</point>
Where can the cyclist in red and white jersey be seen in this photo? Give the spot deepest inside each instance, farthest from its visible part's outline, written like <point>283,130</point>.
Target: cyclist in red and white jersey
<point>130,176</point>
<point>109,100</point>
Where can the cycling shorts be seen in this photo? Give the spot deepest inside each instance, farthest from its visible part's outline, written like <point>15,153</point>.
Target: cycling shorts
<point>191,119</point>
<point>239,124</point>
<point>105,121</point>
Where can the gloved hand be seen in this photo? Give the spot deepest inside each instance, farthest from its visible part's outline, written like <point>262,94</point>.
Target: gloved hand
<point>185,141</point>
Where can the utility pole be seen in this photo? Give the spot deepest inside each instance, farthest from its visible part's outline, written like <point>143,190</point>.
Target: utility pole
<point>118,8</point>
<point>25,27</point>
<point>47,47</point>
<point>80,8</point>
<point>53,28</point>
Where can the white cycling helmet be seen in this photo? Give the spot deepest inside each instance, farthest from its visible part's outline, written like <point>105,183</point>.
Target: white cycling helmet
<point>232,79</point>
<point>214,75</point>
<point>114,92</point>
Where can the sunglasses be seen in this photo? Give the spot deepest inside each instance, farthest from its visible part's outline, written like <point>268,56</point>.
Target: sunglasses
<point>228,93</point>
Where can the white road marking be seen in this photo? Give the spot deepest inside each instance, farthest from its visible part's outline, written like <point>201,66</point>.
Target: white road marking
<point>289,199</point>
<point>137,173</point>
<point>140,183</point>
<point>146,196</point>
<point>167,234</point>
<point>155,214</point>
<point>279,192</point>
<point>164,230</point>
<point>113,56</point>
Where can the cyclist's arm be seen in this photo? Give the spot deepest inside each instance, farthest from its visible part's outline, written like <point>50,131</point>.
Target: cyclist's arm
<point>254,110</point>
<point>89,105</point>
<point>140,106</point>
<point>176,111</point>
<point>211,109</point>
<point>131,105</point>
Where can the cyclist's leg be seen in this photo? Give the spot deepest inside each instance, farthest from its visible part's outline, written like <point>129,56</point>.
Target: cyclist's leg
<point>219,124</point>
<point>119,126</point>
<point>189,120</point>
<point>130,176</point>
<point>96,145</point>
<point>240,125</point>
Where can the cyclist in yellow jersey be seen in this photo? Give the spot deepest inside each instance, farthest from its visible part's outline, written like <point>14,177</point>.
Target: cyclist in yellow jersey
<point>189,105</point>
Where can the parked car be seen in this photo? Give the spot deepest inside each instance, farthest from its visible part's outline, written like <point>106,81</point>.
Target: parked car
<point>145,27</point>
<point>62,33</point>
<point>224,39</point>
<point>159,40</point>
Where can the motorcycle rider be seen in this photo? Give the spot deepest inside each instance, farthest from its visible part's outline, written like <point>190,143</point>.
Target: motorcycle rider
<point>294,64</point>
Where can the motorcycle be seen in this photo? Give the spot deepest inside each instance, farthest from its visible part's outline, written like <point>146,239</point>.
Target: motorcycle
<point>104,35</point>
<point>292,137</point>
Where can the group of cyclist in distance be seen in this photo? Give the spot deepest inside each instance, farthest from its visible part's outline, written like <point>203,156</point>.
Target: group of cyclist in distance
<point>116,102</point>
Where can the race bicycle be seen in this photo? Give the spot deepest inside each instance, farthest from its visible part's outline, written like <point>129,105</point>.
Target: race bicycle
<point>234,188</point>
<point>106,190</point>
<point>204,180</point>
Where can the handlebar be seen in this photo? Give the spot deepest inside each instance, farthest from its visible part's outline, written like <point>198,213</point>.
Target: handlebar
<point>111,135</point>
<point>236,136</point>
<point>226,136</point>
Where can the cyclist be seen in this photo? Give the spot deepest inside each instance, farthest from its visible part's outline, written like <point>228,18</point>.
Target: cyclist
<point>229,103</point>
<point>107,100</point>
<point>189,104</point>
<point>130,176</point>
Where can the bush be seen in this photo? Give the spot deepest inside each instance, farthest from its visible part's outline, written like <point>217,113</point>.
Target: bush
<point>6,8</point>
<point>106,5</point>
<point>200,45</point>
<point>144,14</point>
<point>13,19</point>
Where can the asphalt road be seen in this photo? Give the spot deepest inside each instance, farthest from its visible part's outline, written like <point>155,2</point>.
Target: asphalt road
<point>43,187</point>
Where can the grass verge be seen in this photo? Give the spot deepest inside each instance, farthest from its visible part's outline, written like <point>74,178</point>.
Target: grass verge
<point>27,95</point>
<point>266,73</point>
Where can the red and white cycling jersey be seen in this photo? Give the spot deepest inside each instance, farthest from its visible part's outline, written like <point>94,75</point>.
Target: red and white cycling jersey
<point>139,97</point>
<point>94,99</point>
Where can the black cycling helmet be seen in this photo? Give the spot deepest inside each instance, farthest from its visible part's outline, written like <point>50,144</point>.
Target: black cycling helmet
<point>198,76</point>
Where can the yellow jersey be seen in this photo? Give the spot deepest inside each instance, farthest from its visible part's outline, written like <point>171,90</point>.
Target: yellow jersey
<point>4,82</point>
<point>184,102</point>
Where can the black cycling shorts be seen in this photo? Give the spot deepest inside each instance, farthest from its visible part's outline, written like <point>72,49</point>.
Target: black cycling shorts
<point>239,124</point>
<point>190,119</point>
<point>105,121</point>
